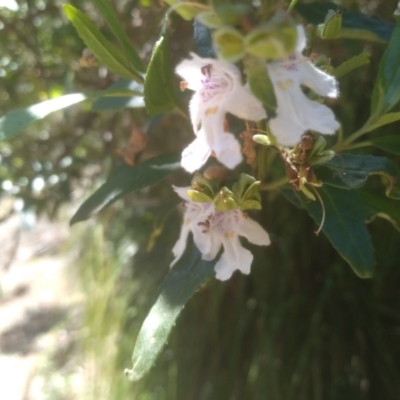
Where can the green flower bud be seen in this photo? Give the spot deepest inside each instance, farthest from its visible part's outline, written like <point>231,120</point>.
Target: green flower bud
<point>230,43</point>
<point>273,40</point>
<point>332,25</point>
<point>262,139</point>
<point>200,184</point>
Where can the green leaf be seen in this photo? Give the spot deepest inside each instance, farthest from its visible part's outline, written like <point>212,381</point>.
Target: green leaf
<point>355,62</point>
<point>133,98</point>
<point>381,121</point>
<point>108,13</point>
<point>377,206</point>
<point>390,143</point>
<point>345,227</point>
<point>181,283</point>
<point>386,92</point>
<point>102,49</point>
<point>17,120</point>
<point>125,180</point>
<point>351,171</point>
<point>160,94</point>
<point>260,82</point>
<point>210,19</point>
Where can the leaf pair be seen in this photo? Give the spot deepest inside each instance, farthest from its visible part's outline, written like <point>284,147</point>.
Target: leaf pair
<point>126,64</point>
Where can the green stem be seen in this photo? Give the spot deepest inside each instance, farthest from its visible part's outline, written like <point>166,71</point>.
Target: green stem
<point>340,147</point>
<point>275,184</point>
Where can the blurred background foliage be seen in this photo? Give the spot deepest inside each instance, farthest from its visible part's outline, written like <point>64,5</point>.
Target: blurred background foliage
<point>300,326</point>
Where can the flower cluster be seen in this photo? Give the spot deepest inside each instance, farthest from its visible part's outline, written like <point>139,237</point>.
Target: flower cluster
<point>212,229</point>
<point>218,90</point>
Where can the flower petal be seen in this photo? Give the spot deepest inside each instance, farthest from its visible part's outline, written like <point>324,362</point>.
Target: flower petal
<point>244,105</point>
<point>317,80</point>
<point>196,154</point>
<point>180,245</point>
<point>234,257</point>
<point>253,232</point>
<point>227,150</point>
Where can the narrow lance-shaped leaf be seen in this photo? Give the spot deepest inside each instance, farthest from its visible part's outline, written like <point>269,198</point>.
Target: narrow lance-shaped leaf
<point>126,180</point>
<point>108,13</point>
<point>103,50</point>
<point>344,226</point>
<point>350,171</point>
<point>17,120</point>
<point>180,284</point>
<point>160,94</point>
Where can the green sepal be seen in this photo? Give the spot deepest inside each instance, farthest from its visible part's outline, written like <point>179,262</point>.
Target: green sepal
<point>250,205</point>
<point>202,185</point>
<point>199,197</point>
<point>331,27</point>
<point>230,43</point>
<point>273,40</point>
<point>225,200</point>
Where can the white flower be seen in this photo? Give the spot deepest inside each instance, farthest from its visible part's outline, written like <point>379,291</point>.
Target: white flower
<point>218,90</point>
<point>212,229</point>
<point>296,113</point>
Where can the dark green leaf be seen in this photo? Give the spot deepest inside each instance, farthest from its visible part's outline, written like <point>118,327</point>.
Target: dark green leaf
<point>180,284</point>
<point>126,180</point>
<point>386,93</point>
<point>345,227</point>
<point>18,120</point>
<point>389,143</point>
<point>108,13</point>
<point>160,94</point>
<point>102,49</point>
<point>377,206</point>
<point>350,171</point>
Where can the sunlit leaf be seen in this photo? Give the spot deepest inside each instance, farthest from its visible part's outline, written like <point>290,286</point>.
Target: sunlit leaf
<point>17,120</point>
<point>160,94</point>
<point>108,12</point>
<point>103,50</point>
<point>125,180</point>
<point>350,171</point>
<point>180,284</point>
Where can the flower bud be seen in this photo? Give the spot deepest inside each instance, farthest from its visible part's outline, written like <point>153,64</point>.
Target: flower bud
<point>230,43</point>
<point>332,25</point>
